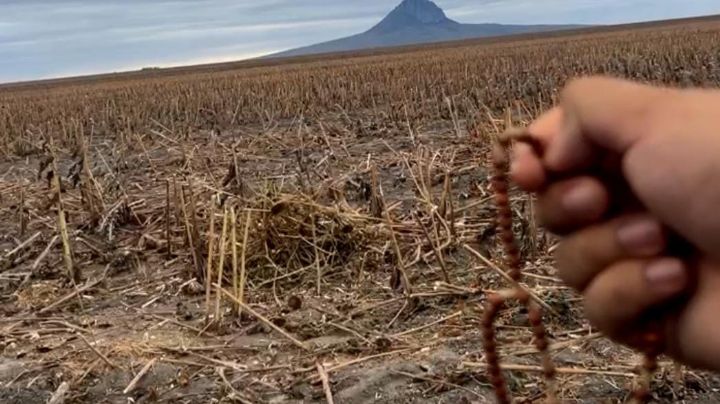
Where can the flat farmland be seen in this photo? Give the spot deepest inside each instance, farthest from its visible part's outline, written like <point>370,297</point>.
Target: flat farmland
<point>281,230</point>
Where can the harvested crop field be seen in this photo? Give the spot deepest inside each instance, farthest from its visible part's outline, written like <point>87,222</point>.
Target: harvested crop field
<point>302,231</point>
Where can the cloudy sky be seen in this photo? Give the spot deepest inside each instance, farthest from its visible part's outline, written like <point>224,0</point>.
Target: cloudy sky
<point>53,38</point>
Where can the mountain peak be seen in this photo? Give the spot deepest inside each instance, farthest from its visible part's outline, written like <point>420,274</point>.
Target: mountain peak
<point>414,22</point>
<point>424,11</point>
<point>412,13</point>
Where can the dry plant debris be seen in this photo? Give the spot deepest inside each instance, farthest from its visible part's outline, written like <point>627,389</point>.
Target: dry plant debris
<point>307,231</point>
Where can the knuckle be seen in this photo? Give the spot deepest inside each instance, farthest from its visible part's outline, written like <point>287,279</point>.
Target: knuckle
<point>543,211</point>
<point>575,83</point>
<point>602,311</point>
<point>611,301</point>
<point>564,260</point>
<point>646,119</point>
<point>596,314</point>
<point>579,85</point>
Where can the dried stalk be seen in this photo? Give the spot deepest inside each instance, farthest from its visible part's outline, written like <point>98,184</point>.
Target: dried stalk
<point>58,397</point>
<point>133,383</point>
<point>436,251</point>
<point>89,188</point>
<point>168,239</point>
<point>233,249</point>
<point>263,319</point>
<point>221,264</point>
<point>318,269</point>
<point>188,231</point>
<point>325,382</point>
<point>97,352</point>
<point>400,265</point>
<point>44,253</point>
<point>377,205</point>
<point>22,245</point>
<point>195,231</point>
<point>179,209</point>
<point>21,211</point>
<point>243,261</point>
<point>211,250</point>
<point>70,295</point>
<point>72,271</point>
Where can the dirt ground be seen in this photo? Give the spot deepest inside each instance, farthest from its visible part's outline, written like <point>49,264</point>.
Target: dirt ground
<point>139,331</point>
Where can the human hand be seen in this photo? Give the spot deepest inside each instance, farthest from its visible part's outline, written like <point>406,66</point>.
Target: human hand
<point>625,166</point>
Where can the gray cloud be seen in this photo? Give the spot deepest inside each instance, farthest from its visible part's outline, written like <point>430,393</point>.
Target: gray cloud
<point>581,11</point>
<point>50,38</point>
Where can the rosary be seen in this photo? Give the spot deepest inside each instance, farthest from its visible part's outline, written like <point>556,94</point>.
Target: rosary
<point>495,302</point>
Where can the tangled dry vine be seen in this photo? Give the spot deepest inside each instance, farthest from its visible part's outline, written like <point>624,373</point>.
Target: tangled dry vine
<point>496,302</point>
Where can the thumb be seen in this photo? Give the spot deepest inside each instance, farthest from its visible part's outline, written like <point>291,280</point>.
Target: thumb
<point>604,114</point>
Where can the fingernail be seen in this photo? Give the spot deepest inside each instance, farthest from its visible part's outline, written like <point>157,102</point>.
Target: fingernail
<point>666,275</point>
<point>579,199</point>
<point>641,236</point>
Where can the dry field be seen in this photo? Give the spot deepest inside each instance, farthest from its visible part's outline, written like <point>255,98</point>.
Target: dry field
<point>282,233</point>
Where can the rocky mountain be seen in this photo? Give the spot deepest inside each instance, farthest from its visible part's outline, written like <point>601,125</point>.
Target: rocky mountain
<point>416,22</point>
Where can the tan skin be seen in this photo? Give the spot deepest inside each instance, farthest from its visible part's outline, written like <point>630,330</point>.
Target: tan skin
<point>625,166</point>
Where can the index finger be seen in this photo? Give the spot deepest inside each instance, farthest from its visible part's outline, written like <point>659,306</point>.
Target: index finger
<point>527,169</point>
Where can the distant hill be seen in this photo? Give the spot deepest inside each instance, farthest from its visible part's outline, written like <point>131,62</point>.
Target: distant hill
<point>416,22</point>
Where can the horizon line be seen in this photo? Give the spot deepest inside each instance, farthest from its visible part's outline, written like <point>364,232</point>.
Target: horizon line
<point>167,67</point>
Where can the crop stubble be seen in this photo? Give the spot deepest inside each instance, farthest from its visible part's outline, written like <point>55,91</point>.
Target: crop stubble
<point>351,199</point>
